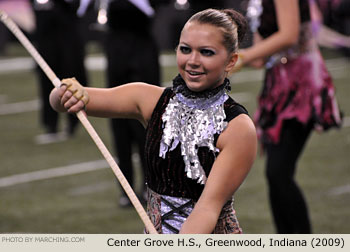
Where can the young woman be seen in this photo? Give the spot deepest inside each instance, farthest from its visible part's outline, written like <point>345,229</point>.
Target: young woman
<point>297,96</point>
<point>200,143</point>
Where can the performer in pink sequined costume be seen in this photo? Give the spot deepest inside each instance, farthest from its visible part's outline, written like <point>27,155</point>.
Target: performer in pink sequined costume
<point>297,96</point>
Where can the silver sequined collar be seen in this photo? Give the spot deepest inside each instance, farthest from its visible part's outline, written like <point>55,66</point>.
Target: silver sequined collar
<point>193,122</point>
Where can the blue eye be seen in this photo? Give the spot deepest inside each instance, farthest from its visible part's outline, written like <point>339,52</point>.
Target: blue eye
<point>207,52</point>
<point>185,49</point>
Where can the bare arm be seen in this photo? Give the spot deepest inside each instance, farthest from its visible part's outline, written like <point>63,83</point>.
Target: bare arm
<point>330,38</point>
<point>288,19</point>
<point>259,62</point>
<point>238,146</point>
<point>133,100</point>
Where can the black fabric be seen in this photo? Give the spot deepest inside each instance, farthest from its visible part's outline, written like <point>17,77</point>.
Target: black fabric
<point>269,20</point>
<point>286,199</point>
<point>123,15</point>
<point>60,42</point>
<point>167,176</point>
<point>126,132</point>
<point>175,210</point>
<point>179,86</point>
<point>132,56</point>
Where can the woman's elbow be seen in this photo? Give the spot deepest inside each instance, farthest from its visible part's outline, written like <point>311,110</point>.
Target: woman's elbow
<point>293,40</point>
<point>290,38</point>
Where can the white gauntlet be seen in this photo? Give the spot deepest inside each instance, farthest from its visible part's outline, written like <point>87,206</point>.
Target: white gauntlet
<point>77,90</point>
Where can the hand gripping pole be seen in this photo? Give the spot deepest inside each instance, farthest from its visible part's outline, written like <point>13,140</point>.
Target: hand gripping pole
<point>83,119</point>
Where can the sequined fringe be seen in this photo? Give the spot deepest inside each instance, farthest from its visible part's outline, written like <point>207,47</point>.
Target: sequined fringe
<point>193,123</point>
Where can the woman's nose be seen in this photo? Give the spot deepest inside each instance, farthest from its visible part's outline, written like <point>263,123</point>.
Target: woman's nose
<point>194,59</point>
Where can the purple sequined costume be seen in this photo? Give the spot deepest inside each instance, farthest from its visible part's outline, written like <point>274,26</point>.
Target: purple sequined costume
<point>297,84</point>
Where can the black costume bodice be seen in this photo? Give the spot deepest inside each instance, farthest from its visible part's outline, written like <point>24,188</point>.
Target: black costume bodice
<point>167,176</point>
<point>268,19</point>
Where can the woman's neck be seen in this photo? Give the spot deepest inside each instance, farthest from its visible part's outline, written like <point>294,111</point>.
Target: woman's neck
<point>179,86</point>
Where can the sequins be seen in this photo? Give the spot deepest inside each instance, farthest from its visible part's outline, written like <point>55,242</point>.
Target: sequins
<point>193,123</point>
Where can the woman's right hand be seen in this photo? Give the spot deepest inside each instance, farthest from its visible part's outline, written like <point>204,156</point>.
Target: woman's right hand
<point>73,96</point>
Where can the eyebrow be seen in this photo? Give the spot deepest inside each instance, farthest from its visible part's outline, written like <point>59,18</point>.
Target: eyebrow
<point>201,47</point>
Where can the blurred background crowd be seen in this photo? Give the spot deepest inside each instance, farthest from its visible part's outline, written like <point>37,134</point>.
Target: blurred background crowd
<point>167,20</point>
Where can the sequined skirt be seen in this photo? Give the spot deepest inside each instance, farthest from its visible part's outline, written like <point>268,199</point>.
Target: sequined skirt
<point>168,213</point>
<point>301,89</point>
<point>297,86</point>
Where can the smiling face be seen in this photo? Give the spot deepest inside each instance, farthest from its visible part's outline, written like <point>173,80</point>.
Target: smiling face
<point>202,59</point>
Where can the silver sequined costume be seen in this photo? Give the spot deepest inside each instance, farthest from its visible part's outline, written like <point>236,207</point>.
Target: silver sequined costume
<point>180,151</point>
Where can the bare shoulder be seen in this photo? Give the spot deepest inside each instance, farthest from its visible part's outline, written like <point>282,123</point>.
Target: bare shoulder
<point>240,133</point>
<point>148,95</point>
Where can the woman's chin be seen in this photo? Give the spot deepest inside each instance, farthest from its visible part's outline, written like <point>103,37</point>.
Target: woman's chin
<point>196,89</point>
<point>195,86</point>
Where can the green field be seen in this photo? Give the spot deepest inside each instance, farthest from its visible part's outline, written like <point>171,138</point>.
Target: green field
<point>87,202</point>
